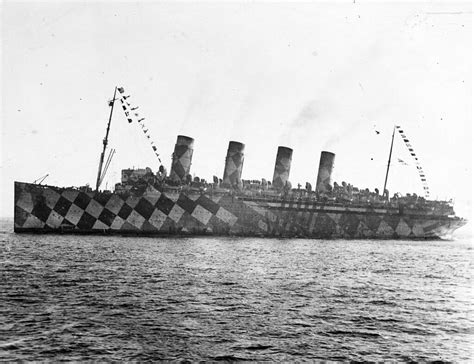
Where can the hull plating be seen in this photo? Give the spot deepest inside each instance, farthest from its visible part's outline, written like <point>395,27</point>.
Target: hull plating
<point>48,209</point>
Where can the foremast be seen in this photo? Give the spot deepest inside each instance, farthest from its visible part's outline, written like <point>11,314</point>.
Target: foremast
<point>105,142</point>
<point>388,165</point>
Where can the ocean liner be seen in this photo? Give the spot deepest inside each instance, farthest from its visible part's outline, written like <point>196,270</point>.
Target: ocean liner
<point>148,203</point>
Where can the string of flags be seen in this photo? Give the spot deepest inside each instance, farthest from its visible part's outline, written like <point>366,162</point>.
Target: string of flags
<point>132,115</point>
<point>417,162</point>
<point>402,162</point>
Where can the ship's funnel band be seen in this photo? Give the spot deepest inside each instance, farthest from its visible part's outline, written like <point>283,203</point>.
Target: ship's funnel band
<point>282,167</point>
<point>182,157</point>
<point>233,164</point>
<point>326,165</point>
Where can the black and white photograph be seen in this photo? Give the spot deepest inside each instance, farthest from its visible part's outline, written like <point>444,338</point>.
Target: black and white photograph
<point>223,181</point>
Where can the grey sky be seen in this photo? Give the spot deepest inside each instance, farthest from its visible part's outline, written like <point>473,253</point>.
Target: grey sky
<point>311,76</point>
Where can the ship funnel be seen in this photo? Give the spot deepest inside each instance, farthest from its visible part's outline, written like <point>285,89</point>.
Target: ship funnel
<point>282,167</point>
<point>233,164</point>
<point>182,156</point>
<point>326,165</point>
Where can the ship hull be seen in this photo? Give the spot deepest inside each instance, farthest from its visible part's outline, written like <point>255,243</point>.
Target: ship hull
<point>49,209</point>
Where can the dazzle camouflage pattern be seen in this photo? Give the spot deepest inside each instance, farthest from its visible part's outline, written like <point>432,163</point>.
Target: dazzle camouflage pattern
<point>282,167</point>
<point>326,165</point>
<point>51,209</point>
<point>182,157</point>
<point>234,163</point>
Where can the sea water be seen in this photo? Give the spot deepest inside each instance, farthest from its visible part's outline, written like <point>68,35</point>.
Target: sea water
<point>67,297</point>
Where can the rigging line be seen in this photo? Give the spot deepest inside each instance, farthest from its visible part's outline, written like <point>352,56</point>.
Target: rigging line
<point>107,164</point>
<point>109,161</point>
<point>112,154</point>
<point>388,164</point>
<point>41,179</point>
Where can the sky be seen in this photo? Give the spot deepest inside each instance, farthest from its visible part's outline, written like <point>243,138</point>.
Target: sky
<point>310,76</point>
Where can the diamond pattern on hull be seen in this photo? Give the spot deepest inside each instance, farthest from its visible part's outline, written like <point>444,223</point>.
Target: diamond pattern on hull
<point>136,219</point>
<point>385,230</point>
<point>62,206</point>
<point>176,213</point>
<point>403,229</point>
<point>25,202</point>
<point>70,195</point>
<point>417,230</point>
<point>74,214</point>
<point>157,219</point>
<point>117,223</point>
<point>33,222</point>
<point>99,225</point>
<point>94,208</point>
<point>201,214</point>
<point>54,220</point>
<point>43,207</point>
<point>114,204</point>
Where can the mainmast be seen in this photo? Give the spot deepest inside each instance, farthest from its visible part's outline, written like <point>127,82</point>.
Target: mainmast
<point>105,141</point>
<point>388,164</point>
